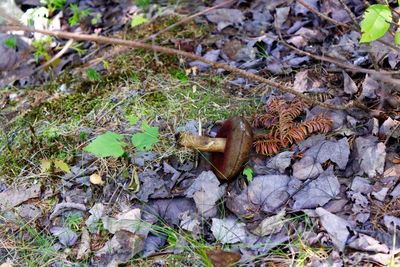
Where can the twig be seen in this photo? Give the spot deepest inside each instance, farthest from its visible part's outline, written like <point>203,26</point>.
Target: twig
<point>301,187</point>
<point>134,44</point>
<point>325,16</point>
<point>351,14</point>
<point>382,74</point>
<point>354,19</point>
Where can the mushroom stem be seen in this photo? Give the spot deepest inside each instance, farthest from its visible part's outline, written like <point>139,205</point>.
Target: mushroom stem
<point>202,143</point>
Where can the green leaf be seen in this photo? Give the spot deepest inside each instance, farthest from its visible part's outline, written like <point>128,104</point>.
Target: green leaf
<point>93,74</point>
<point>397,37</point>
<point>144,141</point>
<point>376,22</point>
<point>137,20</point>
<point>249,174</point>
<point>11,42</point>
<point>132,119</point>
<point>62,166</point>
<point>106,145</point>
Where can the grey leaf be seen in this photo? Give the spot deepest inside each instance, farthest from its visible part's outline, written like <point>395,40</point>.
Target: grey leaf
<point>228,230</point>
<point>206,191</point>
<point>66,236</point>
<point>336,151</point>
<point>318,192</point>
<point>349,85</point>
<point>367,243</point>
<point>369,156</point>
<point>369,87</point>
<point>268,191</point>
<point>306,168</point>
<point>335,226</point>
<point>281,161</point>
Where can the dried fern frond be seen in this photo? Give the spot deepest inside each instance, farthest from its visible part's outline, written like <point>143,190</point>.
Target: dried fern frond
<point>267,146</point>
<point>283,130</point>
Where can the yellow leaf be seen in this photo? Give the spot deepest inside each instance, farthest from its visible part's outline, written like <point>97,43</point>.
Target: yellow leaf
<point>45,165</point>
<point>60,164</point>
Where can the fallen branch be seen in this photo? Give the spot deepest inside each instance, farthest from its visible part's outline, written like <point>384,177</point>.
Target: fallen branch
<point>134,44</point>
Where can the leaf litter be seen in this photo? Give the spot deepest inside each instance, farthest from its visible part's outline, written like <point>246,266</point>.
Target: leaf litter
<point>342,182</point>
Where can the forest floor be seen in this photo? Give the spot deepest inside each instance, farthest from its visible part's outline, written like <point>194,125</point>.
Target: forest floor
<point>91,173</point>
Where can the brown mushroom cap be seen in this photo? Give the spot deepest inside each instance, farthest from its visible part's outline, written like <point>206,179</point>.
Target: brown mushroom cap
<point>239,139</point>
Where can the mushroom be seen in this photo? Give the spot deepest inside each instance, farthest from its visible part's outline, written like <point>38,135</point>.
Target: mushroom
<point>229,150</point>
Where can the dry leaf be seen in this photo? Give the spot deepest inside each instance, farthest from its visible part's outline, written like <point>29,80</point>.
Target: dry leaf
<point>220,258</point>
<point>45,165</point>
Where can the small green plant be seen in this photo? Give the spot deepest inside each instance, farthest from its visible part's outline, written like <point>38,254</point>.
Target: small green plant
<point>77,47</point>
<point>54,5</point>
<point>137,20</point>
<point>179,74</point>
<point>96,19</point>
<point>40,46</point>
<point>145,140</point>
<point>109,144</point>
<point>11,42</point>
<point>77,14</point>
<point>106,145</point>
<point>93,74</point>
<point>132,119</point>
<point>376,22</point>
<point>249,174</point>
<point>73,221</point>
<point>262,52</point>
<point>144,4</point>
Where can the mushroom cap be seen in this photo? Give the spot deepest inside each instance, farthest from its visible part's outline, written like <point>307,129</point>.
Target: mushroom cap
<point>239,140</point>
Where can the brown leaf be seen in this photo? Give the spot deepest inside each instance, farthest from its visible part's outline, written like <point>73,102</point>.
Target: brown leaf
<point>220,258</point>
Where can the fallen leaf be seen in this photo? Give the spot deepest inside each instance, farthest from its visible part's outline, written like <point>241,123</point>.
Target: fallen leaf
<point>317,192</point>
<point>84,246</point>
<point>369,156</point>
<point>268,191</point>
<point>221,258</point>
<point>66,236</point>
<point>228,230</point>
<point>128,221</point>
<point>349,85</point>
<point>206,191</point>
<point>367,243</point>
<point>271,225</point>
<point>307,167</point>
<point>335,226</point>
<point>15,196</point>
<point>336,151</point>
<point>45,165</point>
<point>60,164</point>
